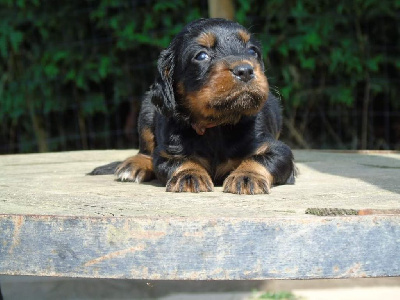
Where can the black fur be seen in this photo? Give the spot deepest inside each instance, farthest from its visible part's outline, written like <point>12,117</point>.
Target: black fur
<point>106,169</point>
<point>193,135</point>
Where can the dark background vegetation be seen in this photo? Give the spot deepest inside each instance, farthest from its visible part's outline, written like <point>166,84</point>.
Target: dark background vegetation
<point>72,72</point>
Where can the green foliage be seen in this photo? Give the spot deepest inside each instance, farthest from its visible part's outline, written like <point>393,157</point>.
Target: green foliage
<point>277,296</point>
<point>324,55</point>
<point>317,40</point>
<point>91,56</point>
<point>58,56</point>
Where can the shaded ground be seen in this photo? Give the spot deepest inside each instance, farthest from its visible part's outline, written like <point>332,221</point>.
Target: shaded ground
<point>24,287</point>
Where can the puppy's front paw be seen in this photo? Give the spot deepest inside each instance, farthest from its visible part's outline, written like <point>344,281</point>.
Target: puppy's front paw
<point>191,181</point>
<point>246,182</point>
<point>137,168</point>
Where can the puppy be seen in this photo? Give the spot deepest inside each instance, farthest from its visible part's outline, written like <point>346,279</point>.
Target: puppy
<point>209,118</point>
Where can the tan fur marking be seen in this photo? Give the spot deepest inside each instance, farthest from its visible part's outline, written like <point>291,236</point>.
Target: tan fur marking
<point>180,88</point>
<point>139,160</point>
<point>252,166</point>
<point>148,139</point>
<point>195,163</point>
<point>220,84</point>
<point>169,156</point>
<point>136,168</point>
<point>244,36</point>
<point>250,177</point>
<point>262,149</point>
<point>189,165</point>
<point>222,87</point>
<point>191,176</point>
<point>207,39</point>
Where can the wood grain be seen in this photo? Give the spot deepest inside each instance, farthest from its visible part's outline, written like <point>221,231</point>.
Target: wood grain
<point>55,221</point>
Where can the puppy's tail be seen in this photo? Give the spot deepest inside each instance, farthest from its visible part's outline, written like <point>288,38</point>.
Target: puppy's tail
<point>108,169</point>
<point>292,177</point>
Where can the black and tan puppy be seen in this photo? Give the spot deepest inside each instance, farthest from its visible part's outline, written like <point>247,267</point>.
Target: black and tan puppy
<point>209,117</point>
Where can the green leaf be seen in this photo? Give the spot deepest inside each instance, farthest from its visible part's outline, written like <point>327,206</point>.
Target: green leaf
<point>80,81</point>
<point>148,23</point>
<point>105,63</point>
<point>71,75</point>
<point>16,38</point>
<point>242,10</point>
<point>343,95</point>
<point>167,5</point>
<point>286,92</point>
<point>60,55</point>
<point>308,63</point>
<point>313,40</point>
<point>284,50</point>
<point>373,63</point>
<point>51,70</point>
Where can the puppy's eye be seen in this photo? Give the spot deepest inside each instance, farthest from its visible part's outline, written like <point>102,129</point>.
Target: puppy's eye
<point>252,51</point>
<point>201,56</point>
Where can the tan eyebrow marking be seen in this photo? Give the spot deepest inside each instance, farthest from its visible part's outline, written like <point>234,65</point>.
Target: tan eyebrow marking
<point>207,39</point>
<point>243,35</point>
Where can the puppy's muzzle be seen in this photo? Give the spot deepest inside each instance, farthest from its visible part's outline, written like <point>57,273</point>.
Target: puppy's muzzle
<point>243,72</point>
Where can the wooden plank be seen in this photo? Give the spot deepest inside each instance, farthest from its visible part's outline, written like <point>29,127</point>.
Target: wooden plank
<point>56,184</point>
<point>178,248</point>
<point>56,221</point>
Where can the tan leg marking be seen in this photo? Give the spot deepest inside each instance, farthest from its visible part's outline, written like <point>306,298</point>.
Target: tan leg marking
<point>249,178</point>
<point>191,176</point>
<point>136,168</point>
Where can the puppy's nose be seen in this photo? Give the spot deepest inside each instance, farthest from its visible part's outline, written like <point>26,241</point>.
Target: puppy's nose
<point>244,72</point>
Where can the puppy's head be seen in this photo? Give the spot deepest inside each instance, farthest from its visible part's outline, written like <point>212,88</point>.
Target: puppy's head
<point>211,74</point>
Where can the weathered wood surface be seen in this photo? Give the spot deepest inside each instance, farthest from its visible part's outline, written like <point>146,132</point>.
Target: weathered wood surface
<point>56,221</point>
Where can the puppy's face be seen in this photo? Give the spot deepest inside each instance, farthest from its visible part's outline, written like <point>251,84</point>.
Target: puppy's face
<point>218,73</point>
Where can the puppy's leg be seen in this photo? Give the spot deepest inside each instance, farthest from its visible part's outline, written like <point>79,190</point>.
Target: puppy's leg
<point>183,174</point>
<point>249,178</point>
<point>139,168</point>
<point>272,163</point>
<point>190,176</point>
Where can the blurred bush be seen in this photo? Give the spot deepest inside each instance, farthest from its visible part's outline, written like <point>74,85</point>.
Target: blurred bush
<point>336,65</point>
<point>72,72</point>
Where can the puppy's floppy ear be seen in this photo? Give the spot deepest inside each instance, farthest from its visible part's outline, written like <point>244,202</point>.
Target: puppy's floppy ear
<point>162,91</point>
